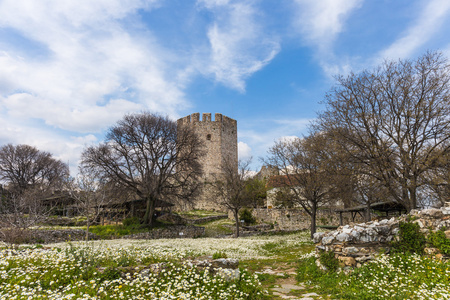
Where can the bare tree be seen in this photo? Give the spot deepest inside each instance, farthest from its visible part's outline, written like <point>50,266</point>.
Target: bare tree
<point>231,187</point>
<point>146,154</point>
<point>29,176</point>
<point>24,167</point>
<point>397,117</point>
<point>302,164</point>
<point>349,178</point>
<point>91,195</point>
<point>437,181</point>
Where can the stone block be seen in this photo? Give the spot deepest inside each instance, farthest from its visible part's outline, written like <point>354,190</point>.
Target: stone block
<point>229,274</point>
<point>355,235</point>
<point>343,237</point>
<point>347,230</point>
<point>447,233</point>
<point>432,212</point>
<point>327,240</point>
<point>364,258</point>
<point>317,237</point>
<point>383,230</point>
<point>350,250</point>
<point>431,250</point>
<point>347,261</point>
<point>384,222</point>
<point>225,263</point>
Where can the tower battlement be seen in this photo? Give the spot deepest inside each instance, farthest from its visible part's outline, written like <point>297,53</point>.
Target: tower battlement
<point>206,117</point>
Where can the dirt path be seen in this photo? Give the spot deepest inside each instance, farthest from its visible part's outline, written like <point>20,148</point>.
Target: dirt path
<point>285,285</point>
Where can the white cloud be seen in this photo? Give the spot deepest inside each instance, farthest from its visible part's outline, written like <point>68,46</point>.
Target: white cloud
<point>239,45</point>
<point>423,29</point>
<point>288,138</point>
<point>265,133</point>
<point>65,147</point>
<point>244,151</point>
<point>91,64</point>
<point>319,23</point>
<point>74,68</point>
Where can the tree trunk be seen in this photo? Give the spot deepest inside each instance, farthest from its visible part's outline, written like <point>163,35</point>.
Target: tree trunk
<point>405,199</point>
<point>412,197</point>
<point>87,228</point>
<point>236,218</point>
<point>367,212</point>
<point>313,218</point>
<point>149,211</point>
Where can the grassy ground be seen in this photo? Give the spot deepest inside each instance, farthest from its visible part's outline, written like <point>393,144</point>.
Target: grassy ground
<point>218,227</point>
<point>82,268</point>
<point>277,261</point>
<point>197,213</point>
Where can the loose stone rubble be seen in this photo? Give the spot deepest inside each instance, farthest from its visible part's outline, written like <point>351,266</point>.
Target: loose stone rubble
<point>355,244</point>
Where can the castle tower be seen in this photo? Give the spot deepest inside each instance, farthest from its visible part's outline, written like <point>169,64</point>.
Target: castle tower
<point>219,138</point>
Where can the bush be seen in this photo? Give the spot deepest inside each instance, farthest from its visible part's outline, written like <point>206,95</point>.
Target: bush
<point>411,240</point>
<point>110,273</point>
<point>16,235</point>
<point>440,241</point>
<point>329,261</point>
<point>133,221</point>
<point>311,274</point>
<point>247,216</point>
<point>219,254</point>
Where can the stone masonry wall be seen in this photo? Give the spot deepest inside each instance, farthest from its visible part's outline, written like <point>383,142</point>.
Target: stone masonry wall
<point>354,244</point>
<point>219,138</point>
<point>298,219</point>
<point>171,232</point>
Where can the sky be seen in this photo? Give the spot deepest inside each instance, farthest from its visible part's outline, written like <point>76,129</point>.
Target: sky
<point>71,69</point>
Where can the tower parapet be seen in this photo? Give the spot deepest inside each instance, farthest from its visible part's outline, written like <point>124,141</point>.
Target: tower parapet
<point>206,117</point>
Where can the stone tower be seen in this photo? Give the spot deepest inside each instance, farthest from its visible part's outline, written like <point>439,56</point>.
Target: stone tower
<point>219,138</point>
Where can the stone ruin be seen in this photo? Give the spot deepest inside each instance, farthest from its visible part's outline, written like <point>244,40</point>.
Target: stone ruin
<point>355,244</point>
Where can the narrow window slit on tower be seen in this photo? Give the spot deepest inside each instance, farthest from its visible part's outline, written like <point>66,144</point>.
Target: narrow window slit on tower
<point>208,137</point>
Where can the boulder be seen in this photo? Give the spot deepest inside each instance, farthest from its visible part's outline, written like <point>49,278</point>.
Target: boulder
<point>432,212</point>
<point>347,261</point>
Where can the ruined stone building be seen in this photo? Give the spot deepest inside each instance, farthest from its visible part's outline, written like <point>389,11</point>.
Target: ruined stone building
<point>219,137</point>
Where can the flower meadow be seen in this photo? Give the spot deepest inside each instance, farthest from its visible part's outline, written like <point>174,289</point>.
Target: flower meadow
<point>118,269</point>
<point>90,272</point>
<point>399,276</point>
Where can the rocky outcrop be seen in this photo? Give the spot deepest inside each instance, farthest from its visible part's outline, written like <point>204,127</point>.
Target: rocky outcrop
<point>356,243</point>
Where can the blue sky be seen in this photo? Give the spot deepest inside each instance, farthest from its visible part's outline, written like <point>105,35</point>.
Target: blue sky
<point>70,69</point>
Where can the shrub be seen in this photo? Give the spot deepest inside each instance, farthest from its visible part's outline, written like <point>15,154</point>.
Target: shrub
<point>133,221</point>
<point>311,274</point>
<point>110,273</point>
<point>329,261</point>
<point>411,240</point>
<point>16,236</point>
<point>439,240</point>
<point>219,254</point>
<point>247,216</point>
<point>308,270</point>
